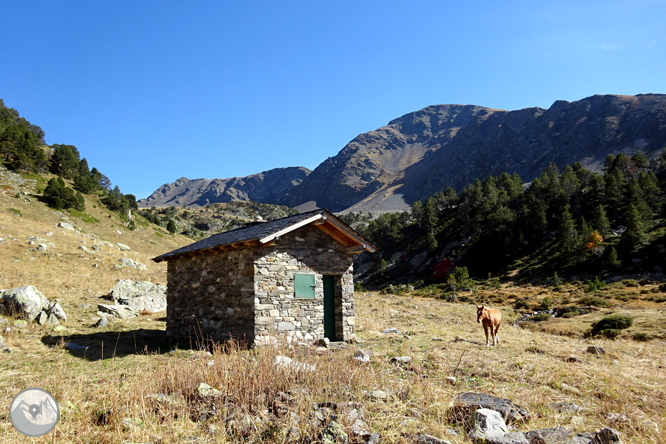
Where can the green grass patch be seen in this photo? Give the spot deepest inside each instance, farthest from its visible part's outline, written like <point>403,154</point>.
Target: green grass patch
<point>158,233</point>
<point>85,217</point>
<point>593,301</point>
<point>16,211</point>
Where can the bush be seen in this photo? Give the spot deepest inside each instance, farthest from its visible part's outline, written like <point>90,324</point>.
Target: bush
<point>594,285</point>
<point>359,287</point>
<point>640,337</point>
<point>520,305</point>
<point>546,303</point>
<point>610,324</point>
<point>541,317</point>
<point>569,314</point>
<point>630,283</point>
<point>662,287</point>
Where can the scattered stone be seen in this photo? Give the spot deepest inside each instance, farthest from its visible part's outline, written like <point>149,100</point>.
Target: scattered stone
<point>41,318</point>
<point>401,360</point>
<point>557,435</point>
<point>83,305</point>
<point>567,407</point>
<point>42,247</point>
<point>85,250</point>
<point>569,389</point>
<point>373,439</point>
<point>451,379</point>
<point>391,331</point>
<point>52,320</point>
<point>604,436</point>
<point>122,247</point>
<point>596,350</point>
<point>359,428</point>
<point>377,395</point>
<point>102,322</point>
<point>119,311</point>
<point>59,328</point>
<point>362,356</point>
<point>427,439</point>
<point>438,339</point>
<point>617,417</point>
<point>56,309</point>
<point>131,263</point>
<point>572,359</point>
<point>65,225</point>
<point>466,403</point>
<point>206,391</point>
<point>20,323</point>
<point>8,350</point>
<point>334,433</point>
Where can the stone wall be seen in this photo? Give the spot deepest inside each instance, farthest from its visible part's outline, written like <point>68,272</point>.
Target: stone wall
<point>211,296</point>
<point>279,313</point>
<point>248,292</point>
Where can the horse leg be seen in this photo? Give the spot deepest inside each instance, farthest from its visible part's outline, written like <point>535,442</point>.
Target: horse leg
<point>485,330</point>
<point>497,335</point>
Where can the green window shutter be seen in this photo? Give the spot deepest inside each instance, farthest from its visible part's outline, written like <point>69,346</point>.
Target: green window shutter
<point>304,285</point>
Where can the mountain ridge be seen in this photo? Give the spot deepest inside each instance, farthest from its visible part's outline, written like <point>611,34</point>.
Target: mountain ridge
<point>422,152</point>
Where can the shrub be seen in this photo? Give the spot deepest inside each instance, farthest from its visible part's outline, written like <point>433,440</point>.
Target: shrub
<point>662,287</point>
<point>630,283</point>
<point>594,302</point>
<point>520,305</point>
<point>613,322</point>
<point>541,317</point>
<point>546,303</point>
<point>569,314</point>
<point>359,287</point>
<point>640,337</point>
<point>594,285</point>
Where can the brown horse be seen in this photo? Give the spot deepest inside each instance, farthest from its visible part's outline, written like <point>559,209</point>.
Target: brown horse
<point>491,319</point>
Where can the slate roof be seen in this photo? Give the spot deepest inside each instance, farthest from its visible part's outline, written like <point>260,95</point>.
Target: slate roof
<point>251,232</point>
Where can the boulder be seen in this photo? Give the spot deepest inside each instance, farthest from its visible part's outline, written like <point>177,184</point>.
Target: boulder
<point>362,356</point>
<point>131,263</point>
<point>488,427</point>
<point>556,435</point>
<point>26,301</point>
<point>56,310</point>
<point>101,322</point>
<point>140,295</point>
<point>42,247</point>
<point>65,225</point>
<point>122,247</point>
<point>466,403</point>
<point>207,391</point>
<point>119,311</point>
<point>288,363</point>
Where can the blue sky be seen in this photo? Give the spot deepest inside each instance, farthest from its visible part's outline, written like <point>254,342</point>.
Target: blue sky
<point>151,91</point>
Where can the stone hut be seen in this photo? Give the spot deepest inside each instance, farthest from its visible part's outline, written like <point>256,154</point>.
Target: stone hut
<point>288,278</point>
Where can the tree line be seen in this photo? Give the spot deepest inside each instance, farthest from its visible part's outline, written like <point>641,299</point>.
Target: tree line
<point>502,218</point>
<point>22,148</point>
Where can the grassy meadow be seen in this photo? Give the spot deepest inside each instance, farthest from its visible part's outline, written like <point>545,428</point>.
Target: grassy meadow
<point>116,390</point>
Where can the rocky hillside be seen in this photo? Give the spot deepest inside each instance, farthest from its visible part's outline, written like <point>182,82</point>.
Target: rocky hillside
<point>429,150</point>
<point>266,187</point>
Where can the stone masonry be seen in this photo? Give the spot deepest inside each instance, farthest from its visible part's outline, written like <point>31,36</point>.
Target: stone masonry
<point>248,293</point>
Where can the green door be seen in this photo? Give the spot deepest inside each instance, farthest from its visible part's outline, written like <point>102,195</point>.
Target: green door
<point>329,307</point>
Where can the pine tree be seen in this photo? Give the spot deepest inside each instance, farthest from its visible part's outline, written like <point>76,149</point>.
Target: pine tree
<point>568,240</point>
<point>634,233</point>
<point>171,226</point>
<point>612,258</point>
<point>600,222</point>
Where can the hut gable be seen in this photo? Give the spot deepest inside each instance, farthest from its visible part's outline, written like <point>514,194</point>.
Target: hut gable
<point>291,278</point>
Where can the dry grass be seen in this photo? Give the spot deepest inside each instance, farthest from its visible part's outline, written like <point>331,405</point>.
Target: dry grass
<point>103,392</point>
